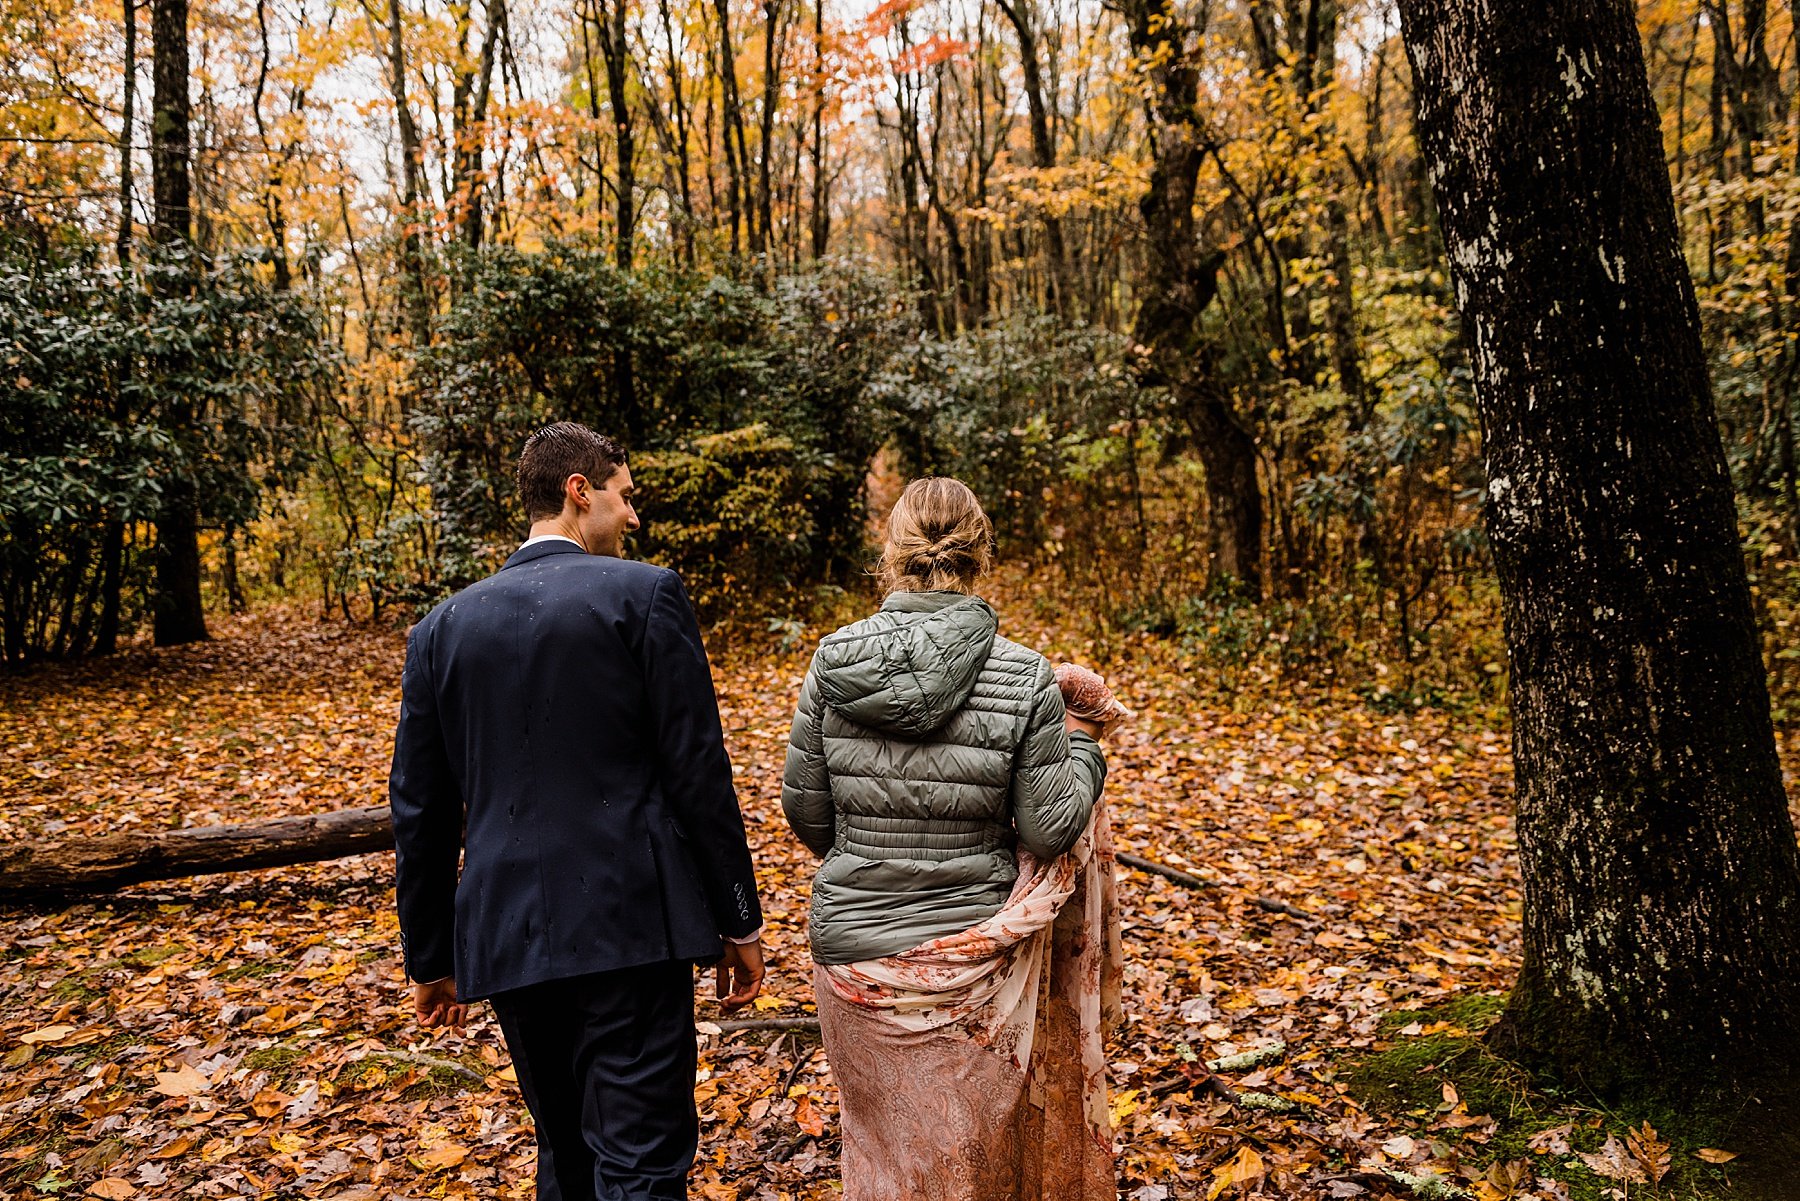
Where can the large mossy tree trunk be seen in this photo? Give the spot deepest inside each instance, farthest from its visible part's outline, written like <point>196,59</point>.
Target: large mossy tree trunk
<point>1662,884</point>
<point>177,610</point>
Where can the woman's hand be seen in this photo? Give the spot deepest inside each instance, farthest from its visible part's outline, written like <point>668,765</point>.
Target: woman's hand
<point>1089,704</point>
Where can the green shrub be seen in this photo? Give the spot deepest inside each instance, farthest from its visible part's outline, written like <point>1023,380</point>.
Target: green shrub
<point>731,512</point>
<point>735,400</point>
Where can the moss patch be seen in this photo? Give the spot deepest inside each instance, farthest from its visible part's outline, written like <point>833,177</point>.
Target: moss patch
<point>151,956</point>
<point>1422,1051</point>
<point>113,1049</point>
<point>378,1071</point>
<point>76,986</point>
<point>30,1176</point>
<point>279,1060</point>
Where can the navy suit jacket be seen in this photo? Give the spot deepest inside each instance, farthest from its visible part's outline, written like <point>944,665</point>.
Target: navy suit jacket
<point>558,728</point>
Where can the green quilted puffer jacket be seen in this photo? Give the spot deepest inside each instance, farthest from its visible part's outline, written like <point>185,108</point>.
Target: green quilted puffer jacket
<point>924,751</point>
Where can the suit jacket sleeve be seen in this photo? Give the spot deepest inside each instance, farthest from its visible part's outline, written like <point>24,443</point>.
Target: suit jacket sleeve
<point>427,809</point>
<point>805,780</point>
<point>695,772</point>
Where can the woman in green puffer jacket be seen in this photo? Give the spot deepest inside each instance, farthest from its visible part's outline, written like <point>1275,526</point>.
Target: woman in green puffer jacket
<point>933,768</point>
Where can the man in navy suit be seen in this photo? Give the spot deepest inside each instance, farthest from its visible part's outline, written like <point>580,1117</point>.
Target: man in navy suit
<point>559,731</point>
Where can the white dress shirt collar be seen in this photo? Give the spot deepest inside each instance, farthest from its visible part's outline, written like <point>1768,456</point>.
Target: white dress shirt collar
<point>546,538</point>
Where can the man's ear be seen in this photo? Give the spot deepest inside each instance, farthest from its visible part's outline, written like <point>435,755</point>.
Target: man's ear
<point>576,488</point>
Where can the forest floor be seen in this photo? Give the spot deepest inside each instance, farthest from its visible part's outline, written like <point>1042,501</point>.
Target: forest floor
<point>251,1035</point>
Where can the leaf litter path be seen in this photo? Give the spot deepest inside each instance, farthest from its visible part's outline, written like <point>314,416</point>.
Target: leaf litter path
<point>249,1035</point>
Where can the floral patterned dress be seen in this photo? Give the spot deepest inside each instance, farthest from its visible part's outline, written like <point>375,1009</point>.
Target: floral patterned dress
<point>972,1068</point>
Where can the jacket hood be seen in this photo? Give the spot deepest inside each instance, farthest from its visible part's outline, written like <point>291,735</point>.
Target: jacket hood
<point>908,668</point>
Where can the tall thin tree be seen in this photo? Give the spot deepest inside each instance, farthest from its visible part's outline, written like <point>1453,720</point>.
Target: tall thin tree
<point>178,613</point>
<point>416,303</point>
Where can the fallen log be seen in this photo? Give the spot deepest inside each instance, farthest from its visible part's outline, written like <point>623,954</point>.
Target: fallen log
<point>100,862</point>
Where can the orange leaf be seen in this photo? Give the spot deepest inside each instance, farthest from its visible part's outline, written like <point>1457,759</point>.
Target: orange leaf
<point>808,1119</point>
<point>439,1158</point>
<point>1246,1168</point>
<point>182,1082</point>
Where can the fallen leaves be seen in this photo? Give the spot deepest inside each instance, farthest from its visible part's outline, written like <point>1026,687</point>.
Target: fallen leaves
<point>1650,1151</point>
<point>1643,1158</point>
<point>182,1082</point>
<point>249,1035</point>
<point>1553,1141</point>
<point>1245,1168</point>
<point>49,1034</point>
<point>808,1118</point>
<point>439,1158</point>
<point>1614,1162</point>
<point>1504,1180</point>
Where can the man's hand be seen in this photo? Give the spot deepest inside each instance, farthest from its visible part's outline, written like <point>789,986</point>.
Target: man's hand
<point>1071,723</point>
<point>436,1004</point>
<point>739,976</point>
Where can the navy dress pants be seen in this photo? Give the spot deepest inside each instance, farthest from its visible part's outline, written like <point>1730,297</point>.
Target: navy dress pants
<point>606,1063</point>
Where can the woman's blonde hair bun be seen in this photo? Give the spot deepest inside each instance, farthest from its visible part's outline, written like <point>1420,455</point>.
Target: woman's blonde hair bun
<point>938,539</point>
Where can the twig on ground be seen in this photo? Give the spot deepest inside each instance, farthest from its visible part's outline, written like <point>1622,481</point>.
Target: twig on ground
<point>1365,1179</point>
<point>742,1025</point>
<point>1243,1061</point>
<point>802,1057</point>
<point>1207,1085</point>
<point>1189,880</point>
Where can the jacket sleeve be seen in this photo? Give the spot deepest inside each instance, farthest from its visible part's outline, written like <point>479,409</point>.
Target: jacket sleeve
<point>426,806</point>
<point>690,752</point>
<point>1057,776</point>
<point>805,782</point>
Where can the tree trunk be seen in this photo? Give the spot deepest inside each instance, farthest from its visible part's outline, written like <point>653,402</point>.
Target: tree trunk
<point>468,107</point>
<point>1183,279</point>
<point>821,209</point>
<point>771,100</point>
<point>97,863</point>
<point>127,127</point>
<point>172,218</point>
<point>412,166</point>
<point>731,122</point>
<point>273,166</point>
<point>1662,881</point>
<point>112,544</point>
<point>178,613</point>
<point>112,578</point>
<point>1043,148</point>
<point>678,103</point>
<point>616,49</point>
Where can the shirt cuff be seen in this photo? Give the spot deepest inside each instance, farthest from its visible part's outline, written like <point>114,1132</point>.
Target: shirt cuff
<point>754,936</point>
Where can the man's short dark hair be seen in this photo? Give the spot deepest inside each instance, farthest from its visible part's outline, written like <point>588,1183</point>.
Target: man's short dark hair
<point>555,453</point>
